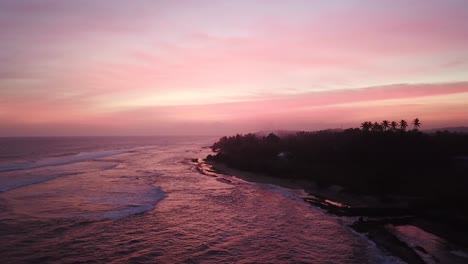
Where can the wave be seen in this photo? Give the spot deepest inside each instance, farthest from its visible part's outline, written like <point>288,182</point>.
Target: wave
<point>22,182</point>
<point>25,179</point>
<point>10,183</point>
<point>150,200</point>
<point>68,159</point>
<point>285,192</point>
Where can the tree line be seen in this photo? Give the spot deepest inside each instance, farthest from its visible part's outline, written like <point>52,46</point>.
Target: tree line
<point>376,158</point>
<point>386,125</point>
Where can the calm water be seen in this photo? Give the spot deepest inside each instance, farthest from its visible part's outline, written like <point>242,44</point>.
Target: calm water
<point>121,200</point>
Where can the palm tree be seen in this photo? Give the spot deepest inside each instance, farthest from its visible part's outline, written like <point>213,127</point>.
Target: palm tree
<point>394,125</point>
<point>403,125</point>
<point>366,126</point>
<point>385,125</point>
<point>416,123</point>
<point>377,127</point>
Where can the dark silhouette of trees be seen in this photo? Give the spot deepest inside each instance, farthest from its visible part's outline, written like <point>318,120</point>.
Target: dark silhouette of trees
<point>391,163</point>
<point>377,127</point>
<point>394,125</point>
<point>385,125</point>
<point>416,123</point>
<point>403,125</point>
<point>366,126</point>
<point>358,159</point>
<point>272,138</point>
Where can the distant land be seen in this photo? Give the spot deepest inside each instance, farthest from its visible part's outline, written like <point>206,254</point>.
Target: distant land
<point>283,132</point>
<point>461,129</point>
<point>381,173</point>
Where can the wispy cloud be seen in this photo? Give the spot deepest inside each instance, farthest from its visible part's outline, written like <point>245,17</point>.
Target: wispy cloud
<point>228,62</point>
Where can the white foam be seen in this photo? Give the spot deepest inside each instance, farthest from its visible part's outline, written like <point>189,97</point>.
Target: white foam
<point>63,160</point>
<point>18,182</point>
<point>459,253</point>
<point>18,179</point>
<point>288,193</point>
<point>127,212</point>
<point>380,256</point>
<point>150,201</point>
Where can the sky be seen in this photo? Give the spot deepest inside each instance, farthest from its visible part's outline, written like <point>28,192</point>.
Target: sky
<point>196,67</point>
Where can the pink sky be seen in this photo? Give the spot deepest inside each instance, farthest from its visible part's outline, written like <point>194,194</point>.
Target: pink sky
<point>223,67</point>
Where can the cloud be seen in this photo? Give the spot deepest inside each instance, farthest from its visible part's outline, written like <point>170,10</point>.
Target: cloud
<point>230,63</point>
<point>437,104</point>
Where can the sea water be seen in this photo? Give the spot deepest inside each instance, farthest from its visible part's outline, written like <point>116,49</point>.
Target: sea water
<point>142,200</point>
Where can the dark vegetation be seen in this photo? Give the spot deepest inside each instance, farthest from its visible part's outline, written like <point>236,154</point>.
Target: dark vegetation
<point>382,159</point>
<point>426,171</point>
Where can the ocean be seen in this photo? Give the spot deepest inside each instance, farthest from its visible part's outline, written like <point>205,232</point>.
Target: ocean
<point>142,200</point>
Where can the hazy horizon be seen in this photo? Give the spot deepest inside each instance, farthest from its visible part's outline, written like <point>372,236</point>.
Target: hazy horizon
<point>228,133</point>
<point>98,68</point>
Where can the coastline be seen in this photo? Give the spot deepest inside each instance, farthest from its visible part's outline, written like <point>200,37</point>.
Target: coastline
<point>377,219</point>
<point>332,194</point>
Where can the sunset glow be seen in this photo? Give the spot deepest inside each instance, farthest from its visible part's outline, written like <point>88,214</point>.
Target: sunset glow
<point>214,67</point>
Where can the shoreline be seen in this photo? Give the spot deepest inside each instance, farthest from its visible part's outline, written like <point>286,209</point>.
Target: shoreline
<point>332,195</point>
<point>381,218</point>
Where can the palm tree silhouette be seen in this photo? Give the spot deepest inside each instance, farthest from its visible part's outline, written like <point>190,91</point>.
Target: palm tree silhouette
<point>394,125</point>
<point>416,123</point>
<point>366,126</point>
<point>385,125</point>
<point>377,127</point>
<point>403,125</point>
